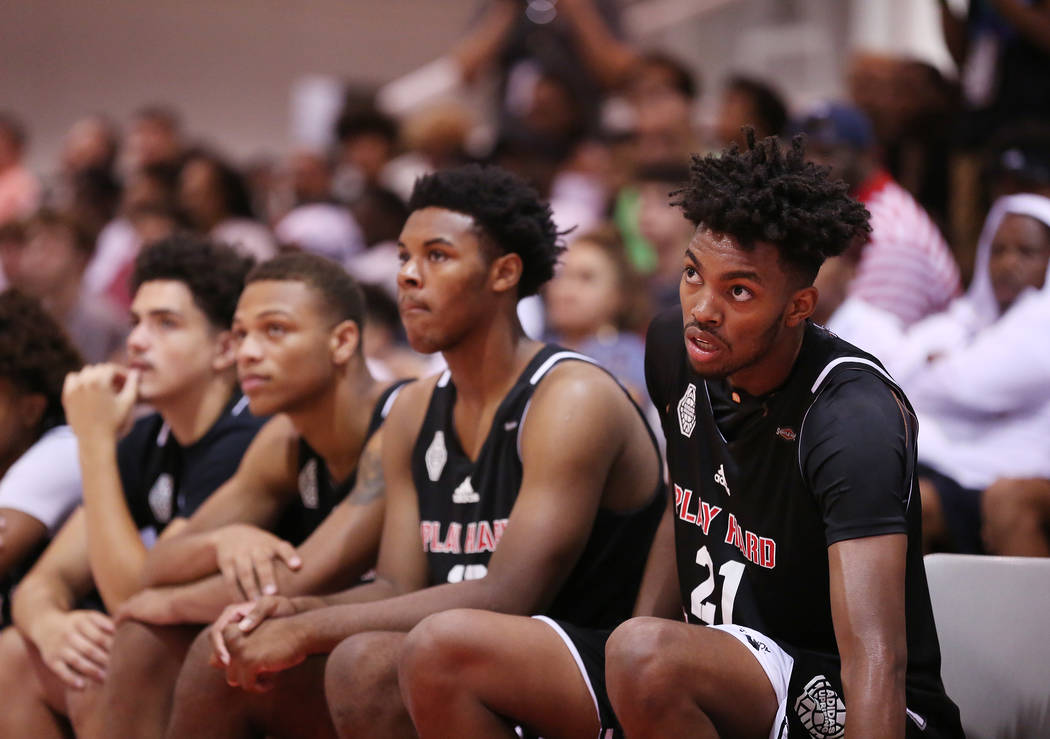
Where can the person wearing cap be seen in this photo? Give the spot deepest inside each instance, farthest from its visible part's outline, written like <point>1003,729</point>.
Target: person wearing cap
<point>906,267</point>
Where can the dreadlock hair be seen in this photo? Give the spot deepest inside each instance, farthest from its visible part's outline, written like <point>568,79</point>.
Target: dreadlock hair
<point>508,212</point>
<point>35,353</point>
<point>213,273</point>
<point>769,195</point>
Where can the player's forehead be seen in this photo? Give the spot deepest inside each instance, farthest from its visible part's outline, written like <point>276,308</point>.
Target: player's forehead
<point>294,298</point>
<point>716,253</point>
<point>165,296</point>
<point>433,225</point>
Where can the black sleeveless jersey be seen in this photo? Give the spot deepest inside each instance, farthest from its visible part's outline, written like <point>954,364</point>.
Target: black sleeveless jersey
<point>465,505</point>
<point>752,531</point>
<point>319,493</point>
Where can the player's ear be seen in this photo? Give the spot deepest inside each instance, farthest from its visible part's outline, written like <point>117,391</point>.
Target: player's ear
<point>505,272</point>
<point>225,351</point>
<point>801,306</point>
<point>31,407</point>
<point>344,341</point>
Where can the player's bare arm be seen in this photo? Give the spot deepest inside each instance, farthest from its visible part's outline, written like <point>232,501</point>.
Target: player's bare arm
<point>867,608</point>
<point>98,402</point>
<point>566,467</point>
<point>20,533</point>
<point>335,556</point>
<point>74,644</point>
<point>224,535</point>
<point>658,594</point>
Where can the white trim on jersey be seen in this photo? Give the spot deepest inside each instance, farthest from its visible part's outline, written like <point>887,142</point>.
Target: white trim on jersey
<point>162,435</point>
<point>841,360</point>
<point>445,377</point>
<point>239,406</point>
<point>554,359</point>
<point>390,401</point>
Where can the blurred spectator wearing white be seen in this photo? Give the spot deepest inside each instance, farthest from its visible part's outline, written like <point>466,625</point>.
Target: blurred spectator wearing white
<point>19,188</point>
<point>978,374</point>
<point>906,268</point>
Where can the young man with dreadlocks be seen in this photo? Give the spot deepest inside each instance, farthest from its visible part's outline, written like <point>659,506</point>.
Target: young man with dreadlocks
<point>795,522</point>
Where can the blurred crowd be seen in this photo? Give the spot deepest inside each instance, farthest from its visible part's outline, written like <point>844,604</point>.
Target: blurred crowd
<point>949,291</point>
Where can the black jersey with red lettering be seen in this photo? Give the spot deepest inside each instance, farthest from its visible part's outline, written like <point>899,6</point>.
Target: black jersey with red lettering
<point>765,485</point>
<point>465,505</point>
<point>319,492</point>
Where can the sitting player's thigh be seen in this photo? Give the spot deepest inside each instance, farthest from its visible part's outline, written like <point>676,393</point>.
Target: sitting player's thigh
<point>517,667</point>
<point>736,676</point>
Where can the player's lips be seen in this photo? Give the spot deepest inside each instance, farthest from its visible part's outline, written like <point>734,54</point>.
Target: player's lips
<point>408,306</point>
<point>701,345</point>
<point>140,364</point>
<point>250,383</point>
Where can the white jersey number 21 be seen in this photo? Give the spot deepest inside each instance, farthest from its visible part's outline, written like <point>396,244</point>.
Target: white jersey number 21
<point>731,572</point>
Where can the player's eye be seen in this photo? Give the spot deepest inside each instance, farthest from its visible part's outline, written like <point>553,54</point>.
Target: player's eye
<point>740,293</point>
<point>436,255</point>
<point>275,330</point>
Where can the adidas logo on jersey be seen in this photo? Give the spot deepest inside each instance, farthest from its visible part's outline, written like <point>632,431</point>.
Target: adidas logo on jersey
<point>308,490</point>
<point>465,493</point>
<point>161,498</point>
<point>687,411</point>
<point>720,478</point>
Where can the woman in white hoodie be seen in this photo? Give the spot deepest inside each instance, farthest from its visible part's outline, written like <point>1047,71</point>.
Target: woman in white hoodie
<point>978,375</point>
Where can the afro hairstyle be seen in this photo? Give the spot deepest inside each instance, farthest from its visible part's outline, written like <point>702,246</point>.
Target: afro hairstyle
<point>508,212</point>
<point>767,194</point>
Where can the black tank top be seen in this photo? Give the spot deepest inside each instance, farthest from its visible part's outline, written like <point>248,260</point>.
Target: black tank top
<point>318,492</point>
<point>465,505</point>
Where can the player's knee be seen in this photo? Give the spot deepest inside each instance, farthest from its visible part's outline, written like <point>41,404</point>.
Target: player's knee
<point>356,676</point>
<point>432,654</point>
<point>637,665</point>
<point>15,669</point>
<point>136,654</point>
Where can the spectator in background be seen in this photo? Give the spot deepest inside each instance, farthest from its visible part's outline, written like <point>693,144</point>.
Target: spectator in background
<point>1017,160</point>
<point>666,234</point>
<point>366,142</point>
<point>661,92</point>
<point>155,140</point>
<point>87,184</point>
<point>747,101</point>
<point>317,223</point>
<point>12,244</point>
<point>150,188</point>
<point>39,472</point>
<point>19,188</point>
<point>51,268</point>
<point>595,305</point>
<point>216,201</point>
<point>979,376</point>
<point>906,267</point>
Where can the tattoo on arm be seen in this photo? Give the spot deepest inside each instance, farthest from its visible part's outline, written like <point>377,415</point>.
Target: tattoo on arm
<point>370,484</point>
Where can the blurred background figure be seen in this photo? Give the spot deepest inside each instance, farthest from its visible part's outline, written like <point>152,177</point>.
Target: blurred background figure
<point>906,267</point>
<point>215,199</point>
<point>154,139</point>
<point>51,268</point>
<point>19,188</point>
<point>747,101</point>
<point>596,306</point>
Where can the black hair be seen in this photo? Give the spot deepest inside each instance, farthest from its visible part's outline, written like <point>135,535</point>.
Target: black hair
<point>358,121</point>
<point>35,353</point>
<point>213,273</point>
<point>14,129</point>
<point>770,113</point>
<point>683,78</point>
<point>233,188</point>
<point>770,195</point>
<point>505,208</point>
<point>339,291</point>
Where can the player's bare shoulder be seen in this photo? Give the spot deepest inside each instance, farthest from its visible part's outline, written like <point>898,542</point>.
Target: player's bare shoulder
<point>405,419</point>
<point>574,387</point>
<point>273,455</point>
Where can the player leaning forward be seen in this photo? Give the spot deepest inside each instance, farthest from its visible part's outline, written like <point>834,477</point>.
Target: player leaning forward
<point>795,520</point>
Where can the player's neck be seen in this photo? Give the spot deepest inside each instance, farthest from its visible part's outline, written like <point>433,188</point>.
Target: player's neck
<point>489,359</point>
<point>773,369</point>
<point>336,421</point>
<point>190,414</point>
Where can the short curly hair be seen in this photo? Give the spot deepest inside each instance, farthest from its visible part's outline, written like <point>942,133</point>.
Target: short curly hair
<point>213,273</point>
<point>35,352</point>
<point>766,194</point>
<point>508,212</point>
